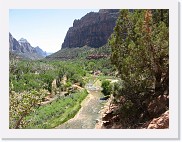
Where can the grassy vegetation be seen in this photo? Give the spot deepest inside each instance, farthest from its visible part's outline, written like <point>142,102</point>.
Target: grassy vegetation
<point>57,112</point>
<point>104,77</point>
<point>78,53</point>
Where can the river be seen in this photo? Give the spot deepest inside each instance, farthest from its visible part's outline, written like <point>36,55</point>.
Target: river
<point>87,116</point>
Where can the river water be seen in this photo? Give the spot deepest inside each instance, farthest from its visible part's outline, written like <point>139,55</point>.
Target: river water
<point>87,116</point>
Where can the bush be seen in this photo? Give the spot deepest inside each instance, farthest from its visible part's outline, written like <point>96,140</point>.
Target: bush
<point>107,88</point>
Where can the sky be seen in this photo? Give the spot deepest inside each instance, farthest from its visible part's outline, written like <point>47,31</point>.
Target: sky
<point>44,28</point>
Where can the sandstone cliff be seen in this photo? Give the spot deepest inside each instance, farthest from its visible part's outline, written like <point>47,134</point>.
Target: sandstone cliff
<point>92,30</point>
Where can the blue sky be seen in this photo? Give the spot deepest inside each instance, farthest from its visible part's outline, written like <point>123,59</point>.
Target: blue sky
<point>44,28</point>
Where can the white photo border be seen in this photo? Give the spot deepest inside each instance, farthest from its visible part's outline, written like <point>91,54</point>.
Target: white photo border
<point>171,133</point>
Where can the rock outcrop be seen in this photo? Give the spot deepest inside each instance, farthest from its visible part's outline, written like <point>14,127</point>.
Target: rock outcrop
<point>158,105</point>
<point>97,56</point>
<point>92,30</point>
<point>23,49</point>
<point>161,122</point>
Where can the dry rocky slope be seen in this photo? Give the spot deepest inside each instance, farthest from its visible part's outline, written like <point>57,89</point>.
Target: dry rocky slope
<point>156,108</point>
<point>92,30</point>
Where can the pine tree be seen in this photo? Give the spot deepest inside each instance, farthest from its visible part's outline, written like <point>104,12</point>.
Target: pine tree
<point>140,45</point>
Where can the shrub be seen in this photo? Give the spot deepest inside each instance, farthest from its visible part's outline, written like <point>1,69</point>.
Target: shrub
<point>107,88</point>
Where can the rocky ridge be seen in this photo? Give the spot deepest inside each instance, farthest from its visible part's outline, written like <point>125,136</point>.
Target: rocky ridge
<point>40,51</point>
<point>23,49</point>
<point>92,30</point>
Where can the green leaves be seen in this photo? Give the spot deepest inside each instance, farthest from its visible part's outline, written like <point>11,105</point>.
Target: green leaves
<point>107,87</point>
<point>22,104</point>
<point>140,45</point>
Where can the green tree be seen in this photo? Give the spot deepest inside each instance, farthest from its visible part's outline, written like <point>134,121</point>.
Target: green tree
<point>107,88</point>
<point>91,65</point>
<point>140,45</point>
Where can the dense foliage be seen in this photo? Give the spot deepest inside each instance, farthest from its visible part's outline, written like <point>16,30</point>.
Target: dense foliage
<point>57,112</point>
<point>106,87</point>
<point>140,45</point>
<point>31,81</point>
<point>28,75</point>
<point>80,55</point>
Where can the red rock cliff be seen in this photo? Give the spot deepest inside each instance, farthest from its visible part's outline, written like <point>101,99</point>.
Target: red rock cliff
<point>92,30</point>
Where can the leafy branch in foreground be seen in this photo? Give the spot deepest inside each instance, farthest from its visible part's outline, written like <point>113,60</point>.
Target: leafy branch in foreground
<point>21,105</point>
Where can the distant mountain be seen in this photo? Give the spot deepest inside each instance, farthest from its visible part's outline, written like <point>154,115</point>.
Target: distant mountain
<point>92,30</point>
<point>40,51</point>
<point>22,40</point>
<point>26,47</point>
<point>23,49</point>
<point>48,53</point>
